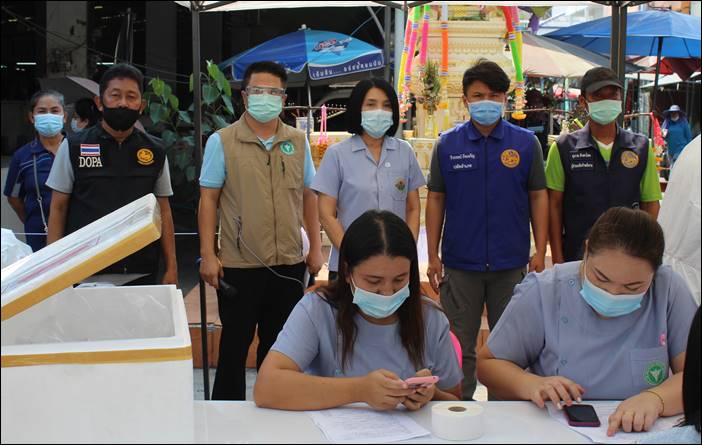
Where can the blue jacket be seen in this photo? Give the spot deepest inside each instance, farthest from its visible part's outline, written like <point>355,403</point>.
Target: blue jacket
<point>487,200</point>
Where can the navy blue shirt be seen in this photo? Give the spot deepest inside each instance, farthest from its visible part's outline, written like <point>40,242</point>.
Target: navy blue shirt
<point>21,184</point>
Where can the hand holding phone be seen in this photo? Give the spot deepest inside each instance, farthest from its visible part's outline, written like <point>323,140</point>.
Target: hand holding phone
<point>421,382</point>
<point>581,415</point>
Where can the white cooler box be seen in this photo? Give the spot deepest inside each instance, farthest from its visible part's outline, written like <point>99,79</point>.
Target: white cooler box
<point>105,364</point>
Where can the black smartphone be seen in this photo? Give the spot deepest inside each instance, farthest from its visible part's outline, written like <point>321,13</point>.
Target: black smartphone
<point>581,415</point>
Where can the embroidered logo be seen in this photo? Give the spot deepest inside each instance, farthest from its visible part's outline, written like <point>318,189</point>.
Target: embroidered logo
<point>400,184</point>
<point>288,148</point>
<point>510,158</point>
<point>145,156</point>
<point>630,159</point>
<point>655,373</point>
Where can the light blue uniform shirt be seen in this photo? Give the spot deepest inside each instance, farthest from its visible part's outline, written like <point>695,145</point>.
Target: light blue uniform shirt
<point>311,339</point>
<point>549,328</point>
<point>684,434</point>
<point>214,170</point>
<point>349,174</point>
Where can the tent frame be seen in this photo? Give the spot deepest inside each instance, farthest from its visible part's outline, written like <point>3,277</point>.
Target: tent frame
<point>617,60</point>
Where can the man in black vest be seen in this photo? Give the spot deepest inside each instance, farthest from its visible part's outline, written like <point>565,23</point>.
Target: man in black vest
<point>597,167</point>
<point>110,165</point>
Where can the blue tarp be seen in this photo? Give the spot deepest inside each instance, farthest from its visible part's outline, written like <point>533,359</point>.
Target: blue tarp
<point>326,55</point>
<point>680,34</point>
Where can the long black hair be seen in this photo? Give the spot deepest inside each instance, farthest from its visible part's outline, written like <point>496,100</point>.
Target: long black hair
<point>377,233</point>
<point>691,375</point>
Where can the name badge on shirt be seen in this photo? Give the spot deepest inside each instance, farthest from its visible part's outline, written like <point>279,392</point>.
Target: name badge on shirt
<point>463,162</point>
<point>582,161</point>
<point>89,156</point>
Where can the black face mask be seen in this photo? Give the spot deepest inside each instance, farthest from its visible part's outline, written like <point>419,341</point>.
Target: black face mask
<point>120,119</point>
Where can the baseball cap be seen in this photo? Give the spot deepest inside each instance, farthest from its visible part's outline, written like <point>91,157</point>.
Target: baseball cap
<point>597,78</point>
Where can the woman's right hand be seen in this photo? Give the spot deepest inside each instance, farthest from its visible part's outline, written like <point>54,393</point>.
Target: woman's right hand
<point>211,270</point>
<point>559,390</point>
<point>384,390</point>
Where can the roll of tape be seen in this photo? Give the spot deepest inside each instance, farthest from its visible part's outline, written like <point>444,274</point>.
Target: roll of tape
<point>457,420</point>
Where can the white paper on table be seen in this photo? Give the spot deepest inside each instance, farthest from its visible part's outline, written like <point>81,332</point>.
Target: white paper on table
<point>361,424</point>
<point>604,410</point>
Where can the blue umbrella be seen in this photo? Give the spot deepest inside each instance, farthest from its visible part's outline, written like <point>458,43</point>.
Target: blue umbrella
<point>324,54</point>
<point>679,34</point>
<point>661,33</point>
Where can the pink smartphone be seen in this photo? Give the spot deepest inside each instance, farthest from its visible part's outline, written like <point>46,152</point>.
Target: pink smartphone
<point>421,382</point>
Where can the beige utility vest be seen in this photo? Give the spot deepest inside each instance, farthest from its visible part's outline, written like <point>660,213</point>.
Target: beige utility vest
<point>261,200</point>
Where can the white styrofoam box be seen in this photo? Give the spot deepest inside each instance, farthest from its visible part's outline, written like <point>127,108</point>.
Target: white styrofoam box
<point>105,364</point>
<point>109,364</point>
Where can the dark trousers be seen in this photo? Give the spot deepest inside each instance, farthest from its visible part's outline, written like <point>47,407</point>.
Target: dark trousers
<point>262,299</point>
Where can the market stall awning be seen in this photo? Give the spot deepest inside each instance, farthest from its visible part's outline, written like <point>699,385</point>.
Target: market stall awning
<point>544,57</point>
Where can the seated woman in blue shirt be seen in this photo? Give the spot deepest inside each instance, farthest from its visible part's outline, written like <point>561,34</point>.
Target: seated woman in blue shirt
<point>360,338</point>
<point>606,328</point>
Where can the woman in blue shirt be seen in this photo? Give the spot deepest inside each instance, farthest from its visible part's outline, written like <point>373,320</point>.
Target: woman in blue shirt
<point>606,328</point>
<point>25,187</point>
<point>677,132</point>
<point>371,170</point>
<point>358,339</point>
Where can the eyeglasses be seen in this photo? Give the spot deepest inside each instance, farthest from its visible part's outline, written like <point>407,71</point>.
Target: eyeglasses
<point>252,91</point>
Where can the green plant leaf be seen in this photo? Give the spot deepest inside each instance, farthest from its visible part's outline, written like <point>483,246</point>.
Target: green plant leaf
<point>174,102</point>
<point>190,173</point>
<point>157,85</point>
<point>190,83</point>
<point>169,137</point>
<point>155,113</point>
<point>228,105</point>
<point>190,140</point>
<point>209,94</point>
<point>219,122</point>
<point>167,92</point>
<point>185,117</point>
<point>206,129</point>
<point>212,69</point>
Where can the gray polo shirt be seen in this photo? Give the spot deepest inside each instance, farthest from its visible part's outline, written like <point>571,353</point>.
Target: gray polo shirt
<point>537,176</point>
<point>311,339</point>
<point>549,328</point>
<point>349,174</point>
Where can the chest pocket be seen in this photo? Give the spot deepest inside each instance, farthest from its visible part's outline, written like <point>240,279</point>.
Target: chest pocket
<point>397,182</point>
<point>292,171</point>
<point>649,367</point>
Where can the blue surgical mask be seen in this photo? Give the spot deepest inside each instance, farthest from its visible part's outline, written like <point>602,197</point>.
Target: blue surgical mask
<point>607,304</point>
<point>485,112</point>
<point>377,305</point>
<point>376,122</point>
<point>604,111</point>
<point>265,107</point>
<point>75,127</point>
<point>48,124</point>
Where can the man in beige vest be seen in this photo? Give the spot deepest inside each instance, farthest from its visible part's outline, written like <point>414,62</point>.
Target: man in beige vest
<point>257,171</point>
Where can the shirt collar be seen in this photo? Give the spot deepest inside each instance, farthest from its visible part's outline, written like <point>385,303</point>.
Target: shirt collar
<point>36,147</point>
<point>357,144</point>
<point>473,134</point>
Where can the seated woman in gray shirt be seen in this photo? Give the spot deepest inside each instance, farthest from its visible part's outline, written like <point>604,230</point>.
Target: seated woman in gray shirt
<point>609,327</point>
<point>360,338</point>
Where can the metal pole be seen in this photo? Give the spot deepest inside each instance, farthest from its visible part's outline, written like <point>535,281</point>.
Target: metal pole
<point>197,98</point>
<point>614,40</point>
<point>386,43</point>
<point>658,72</point>
<point>310,121</point>
<point>197,88</point>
